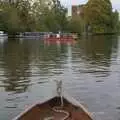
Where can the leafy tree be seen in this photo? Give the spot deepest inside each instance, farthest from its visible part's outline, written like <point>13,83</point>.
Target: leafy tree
<point>98,13</point>
<point>60,14</point>
<point>76,25</point>
<point>115,22</point>
<point>24,12</point>
<point>50,15</point>
<point>9,19</point>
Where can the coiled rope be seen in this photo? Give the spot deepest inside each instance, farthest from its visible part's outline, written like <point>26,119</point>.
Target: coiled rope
<point>60,110</point>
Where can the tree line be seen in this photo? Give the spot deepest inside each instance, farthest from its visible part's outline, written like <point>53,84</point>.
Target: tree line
<point>50,15</point>
<point>27,15</point>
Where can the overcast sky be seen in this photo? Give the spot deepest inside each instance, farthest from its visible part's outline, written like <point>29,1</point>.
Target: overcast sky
<point>115,3</point>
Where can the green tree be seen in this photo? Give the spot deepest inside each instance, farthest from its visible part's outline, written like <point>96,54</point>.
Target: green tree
<point>115,21</point>
<point>24,12</point>
<point>9,19</point>
<point>98,14</point>
<point>60,15</point>
<point>76,25</point>
<point>50,15</point>
<point>38,15</point>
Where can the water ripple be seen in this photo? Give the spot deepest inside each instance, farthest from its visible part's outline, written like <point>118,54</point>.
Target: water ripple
<point>89,70</point>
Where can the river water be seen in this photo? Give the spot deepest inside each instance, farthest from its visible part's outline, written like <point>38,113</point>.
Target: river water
<point>89,69</point>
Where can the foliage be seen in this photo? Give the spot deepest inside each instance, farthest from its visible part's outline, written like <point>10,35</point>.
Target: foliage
<point>115,21</point>
<point>24,13</point>
<point>9,19</point>
<point>76,25</point>
<point>15,17</point>
<point>50,15</point>
<point>39,15</point>
<point>99,16</point>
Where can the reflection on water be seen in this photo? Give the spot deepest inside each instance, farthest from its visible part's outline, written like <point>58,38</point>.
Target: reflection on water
<point>89,69</point>
<point>15,66</point>
<point>96,54</point>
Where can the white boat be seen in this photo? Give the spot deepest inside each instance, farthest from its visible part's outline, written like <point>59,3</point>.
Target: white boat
<point>2,33</point>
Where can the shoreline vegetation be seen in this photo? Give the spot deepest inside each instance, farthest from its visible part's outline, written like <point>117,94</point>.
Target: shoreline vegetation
<point>51,16</point>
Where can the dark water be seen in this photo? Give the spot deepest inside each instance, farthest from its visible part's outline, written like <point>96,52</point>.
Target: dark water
<point>90,70</point>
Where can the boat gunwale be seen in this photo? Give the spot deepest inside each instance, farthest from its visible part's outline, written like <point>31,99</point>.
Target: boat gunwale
<point>32,106</point>
<point>74,102</point>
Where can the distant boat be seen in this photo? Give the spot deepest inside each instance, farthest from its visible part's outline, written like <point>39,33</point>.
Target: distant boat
<point>32,35</point>
<point>60,37</point>
<point>2,34</point>
<point>3,37</point>
<point>56,108</point>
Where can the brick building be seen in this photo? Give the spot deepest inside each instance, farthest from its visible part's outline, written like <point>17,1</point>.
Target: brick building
<point>77,10</point>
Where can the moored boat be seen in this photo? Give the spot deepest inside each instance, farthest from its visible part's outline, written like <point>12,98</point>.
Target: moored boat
<point>60,37</point>
<point>2,34</point>
<point>31,35</point>
<point>59,107</point>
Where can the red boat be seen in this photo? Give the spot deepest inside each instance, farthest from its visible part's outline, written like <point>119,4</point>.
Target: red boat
<point>60,37</point>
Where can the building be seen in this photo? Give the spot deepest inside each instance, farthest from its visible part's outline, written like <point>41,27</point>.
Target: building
<point>77,10</point>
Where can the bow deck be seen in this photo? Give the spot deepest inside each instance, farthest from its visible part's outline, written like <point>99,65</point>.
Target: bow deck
<point>45,111</point>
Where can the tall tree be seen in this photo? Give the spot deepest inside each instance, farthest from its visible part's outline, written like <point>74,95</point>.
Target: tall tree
<point>98,13</point>
<point>115,22</point>
<point>60,14</point>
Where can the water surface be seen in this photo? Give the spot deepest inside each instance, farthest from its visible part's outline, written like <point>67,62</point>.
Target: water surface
<point>89,68</point>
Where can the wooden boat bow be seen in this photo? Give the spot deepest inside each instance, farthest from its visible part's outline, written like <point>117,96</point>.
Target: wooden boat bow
<point>59,107</point>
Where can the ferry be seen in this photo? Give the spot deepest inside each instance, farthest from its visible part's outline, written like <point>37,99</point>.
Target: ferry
<point>61,37</point>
